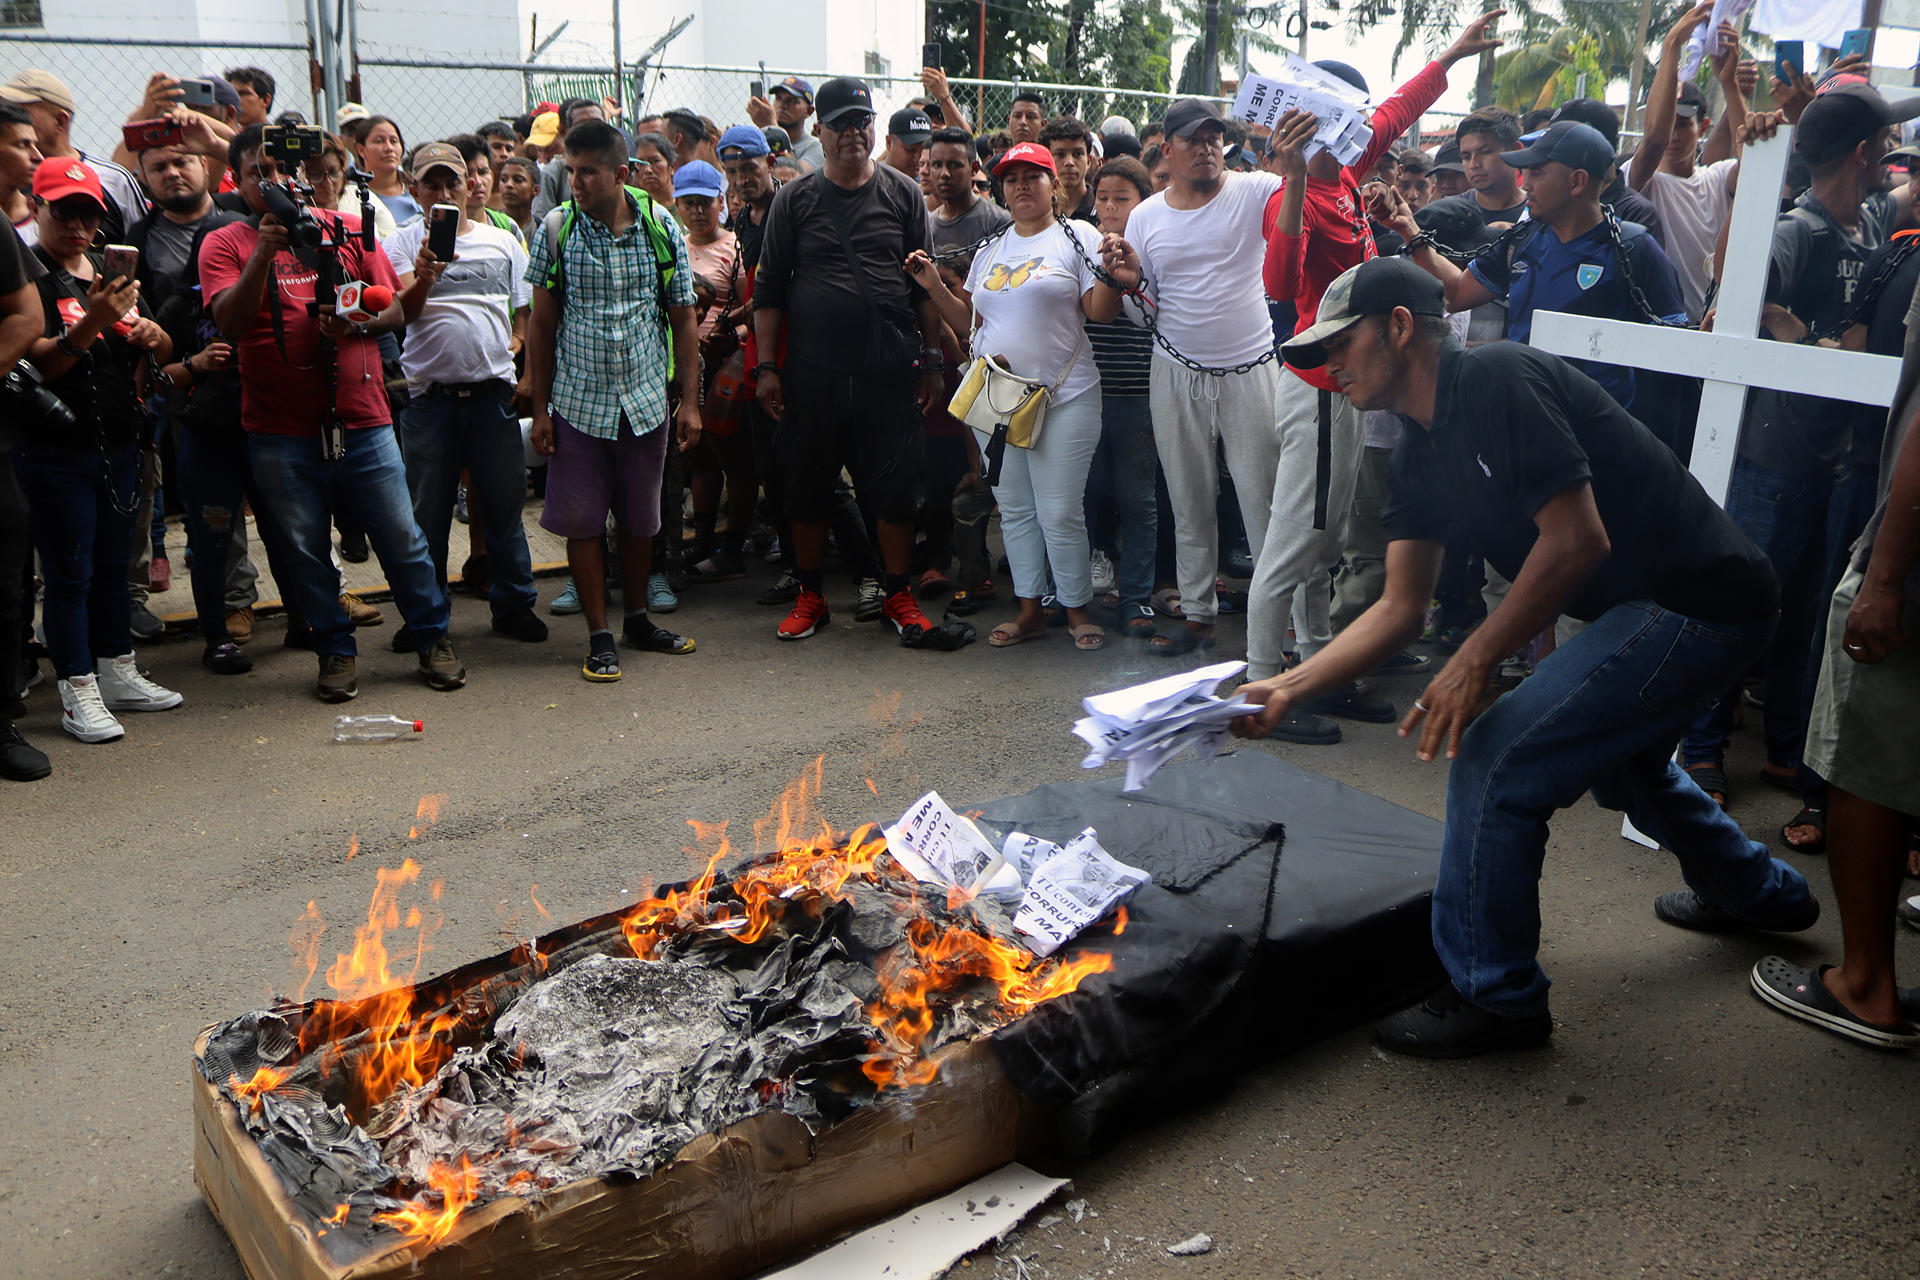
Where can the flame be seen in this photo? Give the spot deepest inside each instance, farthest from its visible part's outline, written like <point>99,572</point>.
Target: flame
<point>305,941</point>
<point>338,1216</point>
<point>353,846</point>
<point>428,812</point>
<point>534,893</point>
<point>1120,921</point>
<point>941,960</point>
<point>400,1048</point>
<point>427,1226</point>
<point>265,1080</point>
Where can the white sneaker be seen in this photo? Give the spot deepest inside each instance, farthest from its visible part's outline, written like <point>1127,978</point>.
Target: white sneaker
<point>123,688</point>
<point>1102,573</point>
<point>86,716</point>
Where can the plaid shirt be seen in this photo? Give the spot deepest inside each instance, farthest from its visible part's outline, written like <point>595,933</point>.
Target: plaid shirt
<point>611,354</point>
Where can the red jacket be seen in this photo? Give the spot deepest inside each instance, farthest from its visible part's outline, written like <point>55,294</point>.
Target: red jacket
<point>1334,234</point>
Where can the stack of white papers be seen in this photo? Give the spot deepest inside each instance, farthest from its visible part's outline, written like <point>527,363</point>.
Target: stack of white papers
<point>1071,886</point>
<point>1149,724</point>
<point>938,846</point>
<point>1339,107</point>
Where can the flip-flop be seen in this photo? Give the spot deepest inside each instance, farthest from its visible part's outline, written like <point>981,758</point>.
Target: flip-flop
<point>1809,816</point>
<point>1801,993</point>
<point>1088,637</point>
<point>1180,640</point>
<point>659,640</point>
<point>1008,634</point>
<point>1136,622</point>
<point>1166,603</point>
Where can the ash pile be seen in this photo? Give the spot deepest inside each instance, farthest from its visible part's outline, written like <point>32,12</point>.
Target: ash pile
<point>590,1060</point>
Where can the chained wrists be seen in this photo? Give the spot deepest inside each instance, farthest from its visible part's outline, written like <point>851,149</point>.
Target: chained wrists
<point>765,366</point>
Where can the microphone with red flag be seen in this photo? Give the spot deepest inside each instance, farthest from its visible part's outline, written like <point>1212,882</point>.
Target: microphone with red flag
<point>358,302</point>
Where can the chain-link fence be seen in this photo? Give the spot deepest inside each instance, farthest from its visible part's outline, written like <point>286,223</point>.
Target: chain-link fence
<point>433,99</point>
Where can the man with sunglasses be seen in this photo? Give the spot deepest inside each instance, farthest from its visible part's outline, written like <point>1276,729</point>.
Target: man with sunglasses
<point>847,343</point>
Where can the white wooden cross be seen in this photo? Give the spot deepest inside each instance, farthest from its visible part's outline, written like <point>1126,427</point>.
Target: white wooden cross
<point>1732,359</point>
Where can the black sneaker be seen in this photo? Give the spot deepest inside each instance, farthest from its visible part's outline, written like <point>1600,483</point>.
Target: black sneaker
<point>226,659</point>
<point>1444,1025</point>
<point>785,591</point>
<point>1406,662</point>
<point>336,682</point>
<point>300,637</point>
<point>1352,701</point>
<point>870,600</point>
<point>20,760</point>
<point>723,565</point>
<point>1305,729</point>
<point>440,669</point>
<point>404,641</point>
<point>144,623</point>
<point>521,624</point>
<point>1685,909</point>
<point>353,549</point>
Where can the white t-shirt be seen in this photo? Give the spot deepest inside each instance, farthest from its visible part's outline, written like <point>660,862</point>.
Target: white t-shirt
<point>465,332</point>
<point>1693,209</point>
<point>1204,268</point>
<point>1027,290</point>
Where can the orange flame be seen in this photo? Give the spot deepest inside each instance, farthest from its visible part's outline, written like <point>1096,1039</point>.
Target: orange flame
<point>305,941</point>
<point>425,1225</point>
<point>353,847</point>
<point>941,961</point>
<point>1120,921</point>
<point>534,893</point>
<point>428,812</point>
<point>265,1080</point>
<point>338,1216</point>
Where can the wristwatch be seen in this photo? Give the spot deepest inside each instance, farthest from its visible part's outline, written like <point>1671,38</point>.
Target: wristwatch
<point>933,358</point>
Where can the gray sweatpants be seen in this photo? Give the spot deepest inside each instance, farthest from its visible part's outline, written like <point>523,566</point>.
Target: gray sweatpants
<point>1193,413</point>
<point>1320,439</point>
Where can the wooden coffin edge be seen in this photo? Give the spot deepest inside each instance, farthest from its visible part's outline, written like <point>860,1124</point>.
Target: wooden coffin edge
<point>731,1203</point>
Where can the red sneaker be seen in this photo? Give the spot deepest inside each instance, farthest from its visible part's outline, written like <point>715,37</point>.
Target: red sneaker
<point>808,616</point>
<point>159,574</point>
<point>904,613</point>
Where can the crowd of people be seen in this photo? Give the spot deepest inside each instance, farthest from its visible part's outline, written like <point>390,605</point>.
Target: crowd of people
<point>814,335</point>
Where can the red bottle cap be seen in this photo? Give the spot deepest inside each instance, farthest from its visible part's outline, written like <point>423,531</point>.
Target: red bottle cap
<point>419,726</point>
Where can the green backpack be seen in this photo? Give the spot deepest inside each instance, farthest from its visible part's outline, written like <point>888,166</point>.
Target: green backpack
<point>559,224</point>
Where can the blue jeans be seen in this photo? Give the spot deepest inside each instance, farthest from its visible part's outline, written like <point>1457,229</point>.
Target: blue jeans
<point>297,486</point>
<point>1601,714</point>
<point>1787,517</point>
<point>216,479</point>
<point>1124,467</point>
<point>440,434</point>
<point>83,531</point>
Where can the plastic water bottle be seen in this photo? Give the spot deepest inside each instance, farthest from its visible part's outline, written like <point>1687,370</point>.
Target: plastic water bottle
<point>375,728</point>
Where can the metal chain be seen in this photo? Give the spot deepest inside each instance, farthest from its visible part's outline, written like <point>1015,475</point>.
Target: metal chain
<point>1612,224</point>
<point>1869,295</point>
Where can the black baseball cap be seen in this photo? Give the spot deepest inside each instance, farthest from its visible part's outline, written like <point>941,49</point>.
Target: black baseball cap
<point>1842,117</point>
<point>1188,114</point>
<point>842,96</point>
<point>911,126</point>
<point>1447,159</point>
<point>1692,104</point>
<point>1374,288</point>
<point>1576,145</point>
<point>1596,113</point>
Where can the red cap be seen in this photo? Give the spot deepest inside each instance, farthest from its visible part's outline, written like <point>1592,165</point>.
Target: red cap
<point>1026,153</point>
<point>545,107</point>
<point>419,726</point>
<point>61,176</point>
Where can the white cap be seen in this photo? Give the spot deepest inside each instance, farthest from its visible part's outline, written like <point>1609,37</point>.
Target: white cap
<point>1118,124</point>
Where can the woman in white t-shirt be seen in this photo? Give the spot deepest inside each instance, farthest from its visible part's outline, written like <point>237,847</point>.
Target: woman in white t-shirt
<point>1031,290</point>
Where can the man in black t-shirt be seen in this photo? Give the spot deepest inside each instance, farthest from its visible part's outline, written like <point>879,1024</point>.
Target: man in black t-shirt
<point>22,318</point>
<point>1541,471</point>
<point>836,324</point>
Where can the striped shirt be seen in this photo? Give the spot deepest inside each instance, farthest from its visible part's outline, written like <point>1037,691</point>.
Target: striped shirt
<point>1123,352</point>
<point>611,355</point>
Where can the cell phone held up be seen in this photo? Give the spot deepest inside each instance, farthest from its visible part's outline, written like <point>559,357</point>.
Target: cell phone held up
<point>1789,56</point>
<point>443,229</point>
<point>145,135</point>
<point>931,55</point>
<point>119,261</point>
<point>757,88</point>
<point>1859,40</point>
<point>196,93</point>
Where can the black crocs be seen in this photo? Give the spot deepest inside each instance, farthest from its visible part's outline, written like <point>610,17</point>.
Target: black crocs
<point>1801,993</point>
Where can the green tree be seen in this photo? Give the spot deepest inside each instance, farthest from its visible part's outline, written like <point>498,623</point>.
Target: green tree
<point>1019,36</point>
<point>1192,14</point>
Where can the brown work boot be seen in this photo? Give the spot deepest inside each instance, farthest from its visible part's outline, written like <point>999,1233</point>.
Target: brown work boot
<point>240,625</point>
<point>359,612</point>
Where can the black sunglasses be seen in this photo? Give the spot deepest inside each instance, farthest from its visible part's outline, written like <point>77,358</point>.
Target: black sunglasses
<point>847,122</point>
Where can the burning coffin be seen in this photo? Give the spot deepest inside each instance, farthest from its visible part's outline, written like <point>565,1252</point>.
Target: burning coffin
<point>753,1062</point>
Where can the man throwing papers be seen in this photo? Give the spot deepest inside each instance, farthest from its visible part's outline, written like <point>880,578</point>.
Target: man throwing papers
<point>1567,495</point>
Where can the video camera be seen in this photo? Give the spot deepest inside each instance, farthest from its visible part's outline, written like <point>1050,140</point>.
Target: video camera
<point>292,145</point>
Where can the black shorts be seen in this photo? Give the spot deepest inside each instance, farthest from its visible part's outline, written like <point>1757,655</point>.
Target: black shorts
<point>871,426</point>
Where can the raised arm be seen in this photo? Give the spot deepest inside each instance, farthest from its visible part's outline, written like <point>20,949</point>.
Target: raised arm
<point>1663,96</point>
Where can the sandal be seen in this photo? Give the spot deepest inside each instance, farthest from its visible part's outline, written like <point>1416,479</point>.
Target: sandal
<point>1088,637</point>
<point>659,640</point>
<point>1166,603</point>
<point>1802,993</point>
<point>1809,816</point>
<point>1136,622</point>
<point>1710,778</point>
<point>1179,641</point>
<point>1008,634</point>
<point>602,665</point>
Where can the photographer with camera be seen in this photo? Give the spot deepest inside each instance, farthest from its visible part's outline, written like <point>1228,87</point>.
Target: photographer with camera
<point>78,461</point>
<point>313,399</point>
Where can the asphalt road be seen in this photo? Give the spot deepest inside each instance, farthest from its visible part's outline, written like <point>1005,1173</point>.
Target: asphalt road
<point>1673,1127</point>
